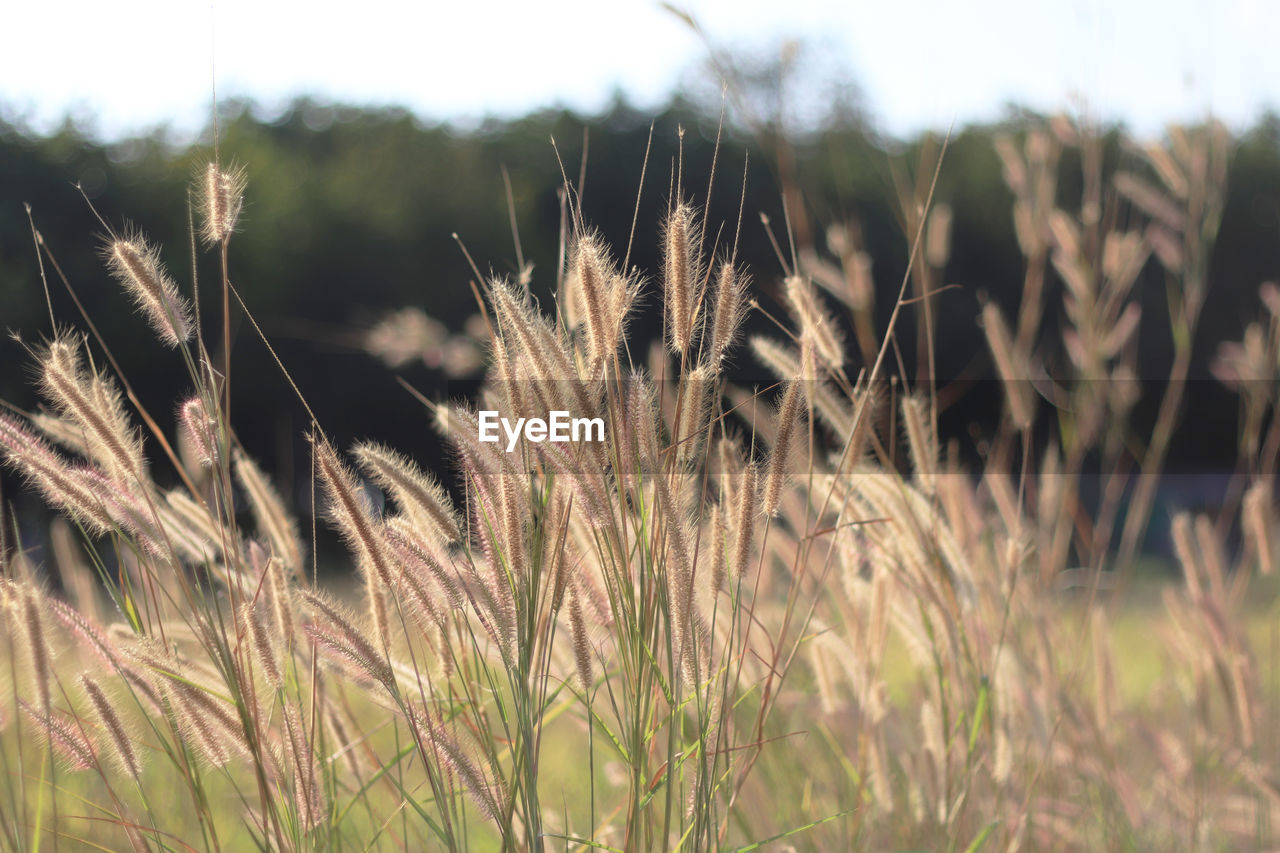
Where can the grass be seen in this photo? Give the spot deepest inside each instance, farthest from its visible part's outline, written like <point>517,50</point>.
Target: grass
<point>771,617</point>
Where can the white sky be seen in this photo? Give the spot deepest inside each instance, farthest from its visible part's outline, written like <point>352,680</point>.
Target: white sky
<point>133,64</point>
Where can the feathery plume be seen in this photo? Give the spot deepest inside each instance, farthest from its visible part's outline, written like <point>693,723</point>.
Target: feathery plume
<point>719,557</point>
<point>199,431</point>
<point>679,567</point>
<point>782,361</point>
<point>538,352</point>
<point>415,570</point>
<point>594,277</point>
<point>458,423</point>
<point>342,637</point>
<point>417,554</point>
<point>277,594</point>
<point>89,634</point>
<point>641,416</point>
<point>190,527</point>
<point>417,494</point>
<point>353,520</point>
<point>307,794</point>
<point>697,394</point>
<point>33,458</point>
<point>136,265</point>
<point>262,645</point>
<point>728,310</point>
<point>431,733</point>
<point>122,745</point>
<point>92,401</point>
<point>788,416</point>
<point>66,738</point>
<point>205,724</point>
<point>581,646</point>
<point>512,506</point>
<point>62,431</point>
<point>744,524</point>
<point>30,613</point>
<point>221,198</point>
<point>682,274</point>
<point>130,513</point>
<point>815,323</point>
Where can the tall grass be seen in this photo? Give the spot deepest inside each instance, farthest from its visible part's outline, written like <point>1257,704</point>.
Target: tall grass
<point>783,615</point>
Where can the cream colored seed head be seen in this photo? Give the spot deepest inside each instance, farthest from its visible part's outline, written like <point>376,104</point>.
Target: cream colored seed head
<point>222,196</point>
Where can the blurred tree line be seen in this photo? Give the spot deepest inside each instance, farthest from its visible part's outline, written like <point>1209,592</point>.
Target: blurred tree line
<point>350,214</point>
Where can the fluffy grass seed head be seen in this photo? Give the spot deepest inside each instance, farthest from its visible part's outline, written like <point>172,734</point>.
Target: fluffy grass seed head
<point>263,645</point>
<point>93,402</point>
<point>351,516</point>
<point>788,417</point>
<point>199,433</point>
<point>64,736</point>
<point>729,310</point>
<point>816,323</point>
<point>49,472</point>
<point>221,193</point>
<point>136,265</point>
<point>417,493</point>
<point>122,747</point>
<point>30,612</point>
<point>581,643</point>
<point>682,275</point>
<point>594,282</point>
<point>338,635</point>
<point>744,526</point>
<point>924,456</point>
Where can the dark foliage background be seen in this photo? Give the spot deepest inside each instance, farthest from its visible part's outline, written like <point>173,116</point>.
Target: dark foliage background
<point>349,214</point>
